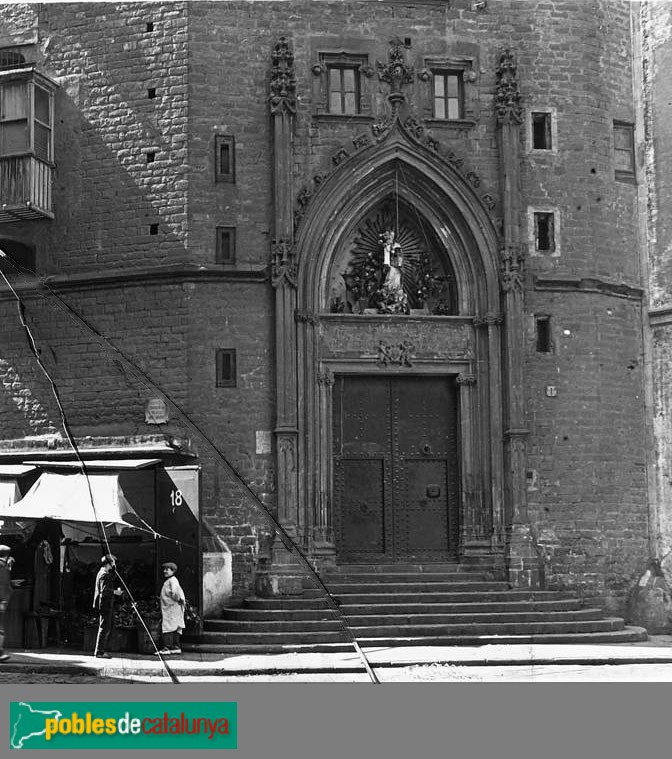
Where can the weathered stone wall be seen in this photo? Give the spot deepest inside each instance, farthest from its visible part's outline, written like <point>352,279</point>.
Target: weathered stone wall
<point>210,64</point>
<point>657,96</point>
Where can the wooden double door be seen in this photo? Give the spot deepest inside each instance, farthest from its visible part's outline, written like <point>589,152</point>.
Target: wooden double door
<point>396,479</point>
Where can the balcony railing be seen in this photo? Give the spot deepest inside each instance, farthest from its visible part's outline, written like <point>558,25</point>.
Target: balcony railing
<point>25,189</point>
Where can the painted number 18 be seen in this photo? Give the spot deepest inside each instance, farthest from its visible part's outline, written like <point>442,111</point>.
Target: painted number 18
<point>176,497</point>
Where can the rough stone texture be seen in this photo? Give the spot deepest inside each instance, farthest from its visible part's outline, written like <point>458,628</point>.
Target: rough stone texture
<point>657,55</point>
<point>210,64</point>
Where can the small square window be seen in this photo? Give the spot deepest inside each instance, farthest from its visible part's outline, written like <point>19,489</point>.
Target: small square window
<point>624,151</point>
<point>225,158</point>
<point>544,232</point>
<point>153,229</point>
<point>226,367</point>
<point>541,131</point>
<point>447,95</point>
<point>151,93</point>
<point>344,89</point>
<point>151,157</point>
<point>225,252</point>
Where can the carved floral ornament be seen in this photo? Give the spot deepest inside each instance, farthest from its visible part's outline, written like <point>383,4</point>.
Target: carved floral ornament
<point>507,101</point>
<point>512,268</point>
<point>395,353</point>
<point>283,84</point>
<point>396,72</point>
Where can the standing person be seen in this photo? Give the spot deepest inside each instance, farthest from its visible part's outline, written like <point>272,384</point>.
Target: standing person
<point>104,595</point>
<point>6,562</point>
<point>172,610</point>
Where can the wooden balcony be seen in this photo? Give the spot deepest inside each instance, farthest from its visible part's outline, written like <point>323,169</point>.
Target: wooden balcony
<point>25,189</point>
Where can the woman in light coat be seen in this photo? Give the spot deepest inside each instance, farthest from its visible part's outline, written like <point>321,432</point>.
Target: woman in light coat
<point>172,610</point>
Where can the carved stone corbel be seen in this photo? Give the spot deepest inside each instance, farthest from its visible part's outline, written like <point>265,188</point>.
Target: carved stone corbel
<point>282,262</point>
<point>466,379</point>
<point>512,268</point>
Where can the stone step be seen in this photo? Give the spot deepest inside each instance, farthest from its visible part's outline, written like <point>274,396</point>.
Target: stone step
<point>276,638</point>
<point>415,587</point>
<point>318,601</point>
<point>222,644</point>
<point>416,621</point>
<point>335,624</point>
<point>384,578</point>
<point>440,596</point>
<point>569,604</point>
<point>372,569</point>
<point>270,615</point>
<point>467,629</point>
<point>281,612</point>
<point>428,632</point>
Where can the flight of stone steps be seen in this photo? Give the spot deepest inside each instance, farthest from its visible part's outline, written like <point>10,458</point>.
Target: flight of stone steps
<point>408,605</point>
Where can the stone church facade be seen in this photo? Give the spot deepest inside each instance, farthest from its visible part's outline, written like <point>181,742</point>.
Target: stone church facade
<point>392,271</point>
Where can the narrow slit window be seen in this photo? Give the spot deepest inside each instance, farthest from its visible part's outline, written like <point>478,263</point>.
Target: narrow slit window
<point>226,245</point>
<point>624,151</point>
<point>226,367</point>
<point>543,329</point>
<point>541,131</point>
<point>544,232</point>
<point>225,164</point>
<point>151,93</point>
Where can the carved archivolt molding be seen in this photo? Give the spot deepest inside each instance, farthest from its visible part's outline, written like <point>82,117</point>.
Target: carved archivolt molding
<point>283,84</point>
<point>378,131</point>
<point>507,100</point>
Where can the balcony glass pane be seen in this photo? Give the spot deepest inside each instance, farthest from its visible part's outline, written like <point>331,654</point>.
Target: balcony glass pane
<point>42,142</point>
<point>42,112</point>
<point>13,102</point>
<point>13,137</point>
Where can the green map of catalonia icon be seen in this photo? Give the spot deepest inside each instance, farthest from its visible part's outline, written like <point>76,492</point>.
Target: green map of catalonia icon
<point>29,723</point>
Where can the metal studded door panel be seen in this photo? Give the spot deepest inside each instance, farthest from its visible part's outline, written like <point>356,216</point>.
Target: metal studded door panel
<point>362,468</point>
<point>395,468</point>
<point>424,440</point>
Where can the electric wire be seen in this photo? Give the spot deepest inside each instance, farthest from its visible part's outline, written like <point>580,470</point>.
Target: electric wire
<point>71,440</point>
<point>285,538</point>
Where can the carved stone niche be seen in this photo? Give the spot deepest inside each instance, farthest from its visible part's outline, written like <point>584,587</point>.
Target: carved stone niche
<point>392,235</point>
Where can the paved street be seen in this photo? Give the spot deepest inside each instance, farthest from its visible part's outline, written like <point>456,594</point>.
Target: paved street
<point>657,672</point>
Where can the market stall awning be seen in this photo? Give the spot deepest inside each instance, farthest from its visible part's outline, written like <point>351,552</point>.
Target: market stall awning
<point>72,497</point>
<point>9,493</point>
<point>114,464</point>
<point>15,470</point>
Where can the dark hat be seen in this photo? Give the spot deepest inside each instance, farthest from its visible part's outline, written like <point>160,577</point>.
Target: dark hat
<point>170,565</point>
<point>4,550</point>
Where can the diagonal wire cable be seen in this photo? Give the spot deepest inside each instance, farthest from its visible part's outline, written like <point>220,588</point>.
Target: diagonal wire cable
<point>71,440</point>
<point>285,538</point>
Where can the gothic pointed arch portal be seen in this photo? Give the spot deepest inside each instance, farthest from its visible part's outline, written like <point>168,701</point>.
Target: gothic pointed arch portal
<point>398,409</point>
